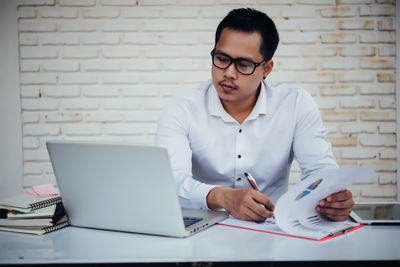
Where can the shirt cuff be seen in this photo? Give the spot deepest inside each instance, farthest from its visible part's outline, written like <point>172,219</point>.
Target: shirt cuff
<point>200,195</point>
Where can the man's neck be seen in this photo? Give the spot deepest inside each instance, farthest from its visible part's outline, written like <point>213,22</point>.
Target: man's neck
<point>241,110</point>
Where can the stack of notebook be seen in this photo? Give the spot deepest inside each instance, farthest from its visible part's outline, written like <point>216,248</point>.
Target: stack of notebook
<point>28,214</point>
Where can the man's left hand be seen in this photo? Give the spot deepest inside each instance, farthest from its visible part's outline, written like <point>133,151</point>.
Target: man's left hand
<point>337,207</point>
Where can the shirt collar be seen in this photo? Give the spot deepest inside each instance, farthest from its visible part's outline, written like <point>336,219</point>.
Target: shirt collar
<point>216,108</point>
<point>261,105</point>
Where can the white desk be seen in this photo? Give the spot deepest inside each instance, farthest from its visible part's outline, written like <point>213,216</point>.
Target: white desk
<point>217,244</point>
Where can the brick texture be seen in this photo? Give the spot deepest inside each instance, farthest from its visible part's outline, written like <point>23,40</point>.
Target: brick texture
<point>103,69</point>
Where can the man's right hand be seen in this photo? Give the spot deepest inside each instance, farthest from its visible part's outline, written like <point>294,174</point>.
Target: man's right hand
<point>241,203</point>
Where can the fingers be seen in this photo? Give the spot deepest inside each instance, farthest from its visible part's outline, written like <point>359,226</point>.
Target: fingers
<point>264,200</point>
<point>334,211</point>
<point>341,200</point>
<point>251,210</point>
<point>245,204</point>
<point>340,196</point>
<point>260,212</point>
<point>248,213</point>
<point>337,206</point>
<point>337,218</point>
<point>251,215</point>
<point>260,204</point>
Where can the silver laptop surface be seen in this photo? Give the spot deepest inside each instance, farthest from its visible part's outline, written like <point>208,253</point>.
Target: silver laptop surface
<point>376,212</point>
<point>123,187</point>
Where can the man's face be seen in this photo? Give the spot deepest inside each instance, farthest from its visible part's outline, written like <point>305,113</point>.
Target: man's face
<point>233,86</point>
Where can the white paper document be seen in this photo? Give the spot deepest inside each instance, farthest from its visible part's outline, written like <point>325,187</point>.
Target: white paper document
<point>295,212</point>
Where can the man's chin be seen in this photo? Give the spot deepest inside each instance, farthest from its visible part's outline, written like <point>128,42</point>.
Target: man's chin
<point>226,96</point>
<point>227,99</point>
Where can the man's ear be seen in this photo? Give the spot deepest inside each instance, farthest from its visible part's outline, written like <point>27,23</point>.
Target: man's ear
<point>268,66</point>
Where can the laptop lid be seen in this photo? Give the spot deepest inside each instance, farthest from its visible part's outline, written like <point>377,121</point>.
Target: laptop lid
<point>122,187</point>
<point>376,212</point>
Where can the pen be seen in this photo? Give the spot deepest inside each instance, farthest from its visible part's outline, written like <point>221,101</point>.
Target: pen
<point>251,180</point>
<point>344,230</point>
<point>253,184</point>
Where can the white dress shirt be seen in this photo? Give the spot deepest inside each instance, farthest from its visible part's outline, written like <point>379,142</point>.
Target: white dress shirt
<point>208,147</point>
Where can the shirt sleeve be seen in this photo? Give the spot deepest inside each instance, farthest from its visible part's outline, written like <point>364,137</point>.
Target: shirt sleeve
<point>311,148</point>
<point>173,133</point>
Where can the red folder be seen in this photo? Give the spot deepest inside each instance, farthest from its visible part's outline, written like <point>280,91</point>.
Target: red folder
<point>302,237</point>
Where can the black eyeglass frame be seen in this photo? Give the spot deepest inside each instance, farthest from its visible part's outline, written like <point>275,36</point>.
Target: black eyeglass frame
<point>235,60</point>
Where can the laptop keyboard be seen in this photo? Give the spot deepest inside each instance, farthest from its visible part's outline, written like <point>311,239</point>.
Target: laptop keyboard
<point>188,221</point>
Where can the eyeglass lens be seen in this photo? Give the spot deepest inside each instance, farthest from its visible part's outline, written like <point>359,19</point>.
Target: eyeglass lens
<point>242,65</point>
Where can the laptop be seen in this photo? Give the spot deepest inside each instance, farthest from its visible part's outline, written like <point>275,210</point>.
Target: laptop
<point>376,212</point>
<point>123,187</point>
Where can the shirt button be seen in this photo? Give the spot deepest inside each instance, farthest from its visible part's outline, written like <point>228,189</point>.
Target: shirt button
<point>239,156</point>
<point>238,179</point>
<point>240,130</point>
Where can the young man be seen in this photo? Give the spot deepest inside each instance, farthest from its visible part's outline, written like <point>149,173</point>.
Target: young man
<point>240,123</point>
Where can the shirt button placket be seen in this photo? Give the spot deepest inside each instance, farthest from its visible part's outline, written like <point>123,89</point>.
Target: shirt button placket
<point>239,156</point>
<point>239,144</point>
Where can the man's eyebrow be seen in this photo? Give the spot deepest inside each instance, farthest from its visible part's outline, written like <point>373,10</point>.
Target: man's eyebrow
<point>246,58</point>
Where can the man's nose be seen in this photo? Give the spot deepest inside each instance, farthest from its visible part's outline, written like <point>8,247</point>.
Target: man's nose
<point>231,72</point>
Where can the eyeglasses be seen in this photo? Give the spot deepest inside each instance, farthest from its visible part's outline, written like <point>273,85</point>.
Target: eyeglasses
<point>244,66</point>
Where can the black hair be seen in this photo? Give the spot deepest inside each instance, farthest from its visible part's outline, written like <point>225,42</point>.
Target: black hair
<point>250,20</point>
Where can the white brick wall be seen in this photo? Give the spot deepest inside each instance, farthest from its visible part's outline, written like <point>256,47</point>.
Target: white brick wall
<point>103,69</point>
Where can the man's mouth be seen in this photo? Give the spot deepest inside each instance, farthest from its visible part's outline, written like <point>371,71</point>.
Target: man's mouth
<point>227,87</point>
